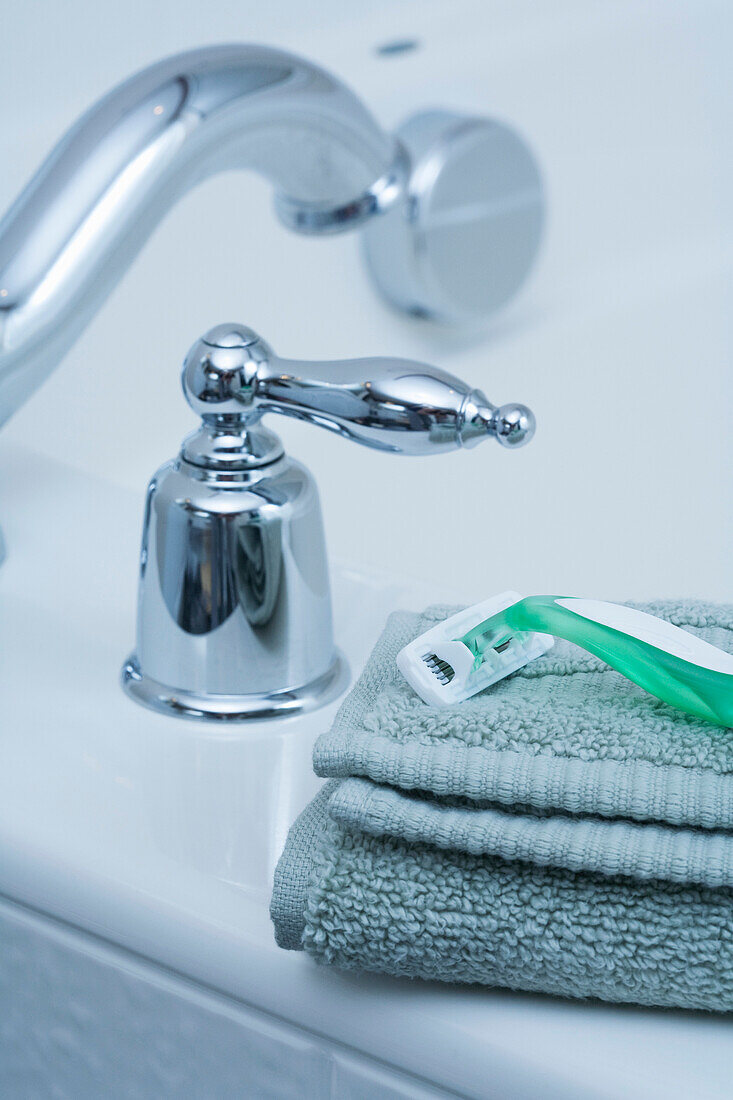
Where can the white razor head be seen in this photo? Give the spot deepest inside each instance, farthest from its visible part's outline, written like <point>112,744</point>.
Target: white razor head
<point>441,669</point>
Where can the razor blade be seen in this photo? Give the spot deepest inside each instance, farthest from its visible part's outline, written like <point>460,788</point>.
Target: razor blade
<point>442,669</point>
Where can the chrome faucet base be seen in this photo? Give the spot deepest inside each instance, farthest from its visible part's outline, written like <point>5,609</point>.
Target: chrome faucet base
<point>200,706</point>
<point>234,608</point>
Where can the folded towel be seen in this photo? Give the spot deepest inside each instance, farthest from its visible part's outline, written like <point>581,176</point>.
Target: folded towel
<point>563,832</point>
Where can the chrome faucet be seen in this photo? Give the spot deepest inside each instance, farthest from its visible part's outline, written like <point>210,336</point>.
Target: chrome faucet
<point>452,210</point>
<point>234,610</point>
<point>461,197</point>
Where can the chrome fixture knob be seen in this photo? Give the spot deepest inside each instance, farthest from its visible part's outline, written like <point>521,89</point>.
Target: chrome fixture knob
<point>221,368</point>
<point>463,235</point>
<point>513,425</point>
<point>234,610</point>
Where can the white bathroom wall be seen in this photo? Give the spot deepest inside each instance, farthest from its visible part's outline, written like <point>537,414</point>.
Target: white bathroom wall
<point>621,342</point>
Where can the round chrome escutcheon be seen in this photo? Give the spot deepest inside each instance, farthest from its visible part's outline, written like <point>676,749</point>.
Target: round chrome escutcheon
<point>461,241</point>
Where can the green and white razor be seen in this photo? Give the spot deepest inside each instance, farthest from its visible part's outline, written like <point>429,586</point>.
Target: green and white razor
<point>481,645</point>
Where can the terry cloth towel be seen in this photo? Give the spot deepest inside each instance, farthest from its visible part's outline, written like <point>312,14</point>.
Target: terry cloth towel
<point>563,831</point>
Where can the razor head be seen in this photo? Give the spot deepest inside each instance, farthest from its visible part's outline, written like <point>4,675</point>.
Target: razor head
<point>443,671</point>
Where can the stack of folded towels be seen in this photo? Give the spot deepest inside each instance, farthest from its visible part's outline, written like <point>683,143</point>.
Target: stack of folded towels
<point>563,832</point>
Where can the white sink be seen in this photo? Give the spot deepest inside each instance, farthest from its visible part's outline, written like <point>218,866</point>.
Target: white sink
<point>136,856</point>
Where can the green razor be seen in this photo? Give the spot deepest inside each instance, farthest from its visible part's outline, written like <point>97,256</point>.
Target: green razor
<point>476,648</point>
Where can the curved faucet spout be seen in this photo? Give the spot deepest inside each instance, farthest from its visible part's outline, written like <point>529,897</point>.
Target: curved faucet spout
<point>82,219</point>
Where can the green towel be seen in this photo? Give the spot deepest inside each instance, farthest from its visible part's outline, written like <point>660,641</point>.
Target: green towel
<point>563,832</point>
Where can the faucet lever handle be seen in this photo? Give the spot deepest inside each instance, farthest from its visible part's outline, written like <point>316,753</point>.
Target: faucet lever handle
<point>231,377</point>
